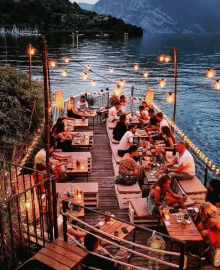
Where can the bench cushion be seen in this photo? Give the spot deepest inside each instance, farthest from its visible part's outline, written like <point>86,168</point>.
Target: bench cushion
<point>114,148</point>
<point>193,186</point>
<point>139,206</point>
<point>129,189</point>
<point>111,125</point>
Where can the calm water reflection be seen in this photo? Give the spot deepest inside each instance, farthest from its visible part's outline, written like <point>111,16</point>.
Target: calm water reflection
<point>198,109</point>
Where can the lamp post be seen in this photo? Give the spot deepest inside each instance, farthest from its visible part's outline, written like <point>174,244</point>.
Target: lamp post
<point>31,51</point>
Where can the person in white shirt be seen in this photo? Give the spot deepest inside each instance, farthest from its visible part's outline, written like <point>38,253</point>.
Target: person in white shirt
<point>186,169</point>
<point>161,123</point>
<point>112,113</point>
<point>126,141</point>
<point>82,105</point>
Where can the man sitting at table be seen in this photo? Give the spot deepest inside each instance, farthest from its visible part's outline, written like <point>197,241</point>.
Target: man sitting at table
<point>112,113</point>
<point>186,168</point>
<point>126,141</point>
<point>82,105</point>
<point>143,117</point>
<point>153,122</point>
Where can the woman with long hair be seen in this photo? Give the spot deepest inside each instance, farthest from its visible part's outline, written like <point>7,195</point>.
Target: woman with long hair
<point>120,129</point>
<point>71,112</point>
<point>213,195</point>
<point>169,140</point>
<point>63,138</point>
<point>161,194</point>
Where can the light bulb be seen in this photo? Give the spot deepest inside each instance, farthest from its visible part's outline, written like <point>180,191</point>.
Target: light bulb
<point>136,67</point>
<point>146,74</point>
<point>64,73</point>
<point>66,60</point>
<point>84,76</point>
<point>162,83</point>
<point>210,73</point>
<point>93,82</point>
<point>111,70</point>
<point>217,85</point>
<point>88,68</point>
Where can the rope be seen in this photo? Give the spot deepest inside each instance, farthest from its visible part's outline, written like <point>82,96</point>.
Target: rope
<point>106,258</point>
<point>130,250</point>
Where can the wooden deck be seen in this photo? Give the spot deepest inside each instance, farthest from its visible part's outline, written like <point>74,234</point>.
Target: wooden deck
<point>102,172</point>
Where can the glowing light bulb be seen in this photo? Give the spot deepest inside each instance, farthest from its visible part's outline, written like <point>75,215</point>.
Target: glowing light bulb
<point>210,73</point>
<point>121,83</point>
<point>161,58</point>
<point>111,70</point>
<point>64,73</point>
<point>31,50</point>
<point>88,68</point>
<point>28,205</point>
<point>217,85</point>
<point>66,60</point>
<point>146,74</point>
<point>136,67</point>
<point>117,91</point>
<point>84,76</point>
<point>52,63</point>
<point>162,83</point>
<point>93,82</point>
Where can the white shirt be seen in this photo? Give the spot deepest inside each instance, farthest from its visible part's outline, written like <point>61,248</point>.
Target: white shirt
<point>163,123</point>
<point>112,114</point>
<point>82,105</point>
<point>186,160</point>
<point>125,140</point>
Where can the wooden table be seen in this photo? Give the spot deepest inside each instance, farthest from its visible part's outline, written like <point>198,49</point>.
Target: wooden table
<point>141,134</point>
<point>61,255</point>
<point>73,170</point>
<point>186,233</point>
<point>116,225</point>
<point>90,114</point>
<point>72,123</point>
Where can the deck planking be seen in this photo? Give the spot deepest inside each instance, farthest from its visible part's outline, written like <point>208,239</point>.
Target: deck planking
<point>102,172</point>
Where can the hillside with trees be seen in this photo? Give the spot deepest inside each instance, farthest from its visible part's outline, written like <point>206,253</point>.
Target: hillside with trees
<point>53,16</point>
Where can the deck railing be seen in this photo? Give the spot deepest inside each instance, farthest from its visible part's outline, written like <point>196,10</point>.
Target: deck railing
<point>205,169</point>
<point>168,254</point>
<point>28,213</point>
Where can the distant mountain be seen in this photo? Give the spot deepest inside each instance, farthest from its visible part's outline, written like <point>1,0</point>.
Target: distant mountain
<point>86,6</point>
<point>165,16</point>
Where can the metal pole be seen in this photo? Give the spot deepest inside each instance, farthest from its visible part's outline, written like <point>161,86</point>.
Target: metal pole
<point>54,207</point>
<point>206,175</point>
<point>181,264</point>
<point>65,208</point>
<point>132,101</point>
<point>46,99</point>
<point>175,83</point>
<point>30,69</point>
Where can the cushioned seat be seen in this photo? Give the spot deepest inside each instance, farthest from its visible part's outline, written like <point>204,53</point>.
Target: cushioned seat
<point>129,189</point>
<point>193,186</point>
<point>115,155</point>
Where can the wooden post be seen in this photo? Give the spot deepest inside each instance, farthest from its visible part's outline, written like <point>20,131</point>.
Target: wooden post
<point>175,83</point>
<point>30,68</point>
<point>65,208</point>
<point>132,101</point>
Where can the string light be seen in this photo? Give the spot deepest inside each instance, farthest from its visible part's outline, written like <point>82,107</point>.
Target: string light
<point>93,83</point>
<point>117,91</point>
<point>64,73</point>
<point>52,63</point>
<point>31,50</point>
<point>84,76</point>
<point>121,82</point>
<point>210,73</point>
<point>170,98</point>
<point>111,70</point>
<point>161,58</point>
<point>217,85</point>
<point>162,83</point>
<point>88,68</point>
<point>67,60</point>
<point>167,59</point>
<point>136,67</point>
<point>146,74</point>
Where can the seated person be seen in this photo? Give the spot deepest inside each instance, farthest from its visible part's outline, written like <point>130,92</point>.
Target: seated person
<point>213,195</point>
<point>208,224</point>
<point>120,129</point>
<point>169,140</point>
<point>82,104</point>
<point>126,141</point>
<point>123,103</point>
<point>112,113</point>
<point>129,166</point>
<point>71,112</point>
<point>56,164</point>
<point>143,118</point>
<point>162,123</point>
<point>184,159</point>
<point>92,244</point>
<point>161,194</point>
<point>152,124</point>
<point>63,138</point>
<point>113,100</point>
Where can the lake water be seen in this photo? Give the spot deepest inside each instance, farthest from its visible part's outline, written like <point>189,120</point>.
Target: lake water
<point>198,104</point>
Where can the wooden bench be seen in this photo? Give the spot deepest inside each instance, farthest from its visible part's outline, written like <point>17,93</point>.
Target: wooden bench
<point>137,211</point>
<point>60,255</point>
<point>115,155</point>
<point>125,193</point>
<point>194,189</point>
